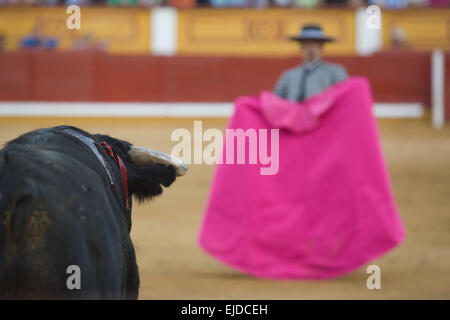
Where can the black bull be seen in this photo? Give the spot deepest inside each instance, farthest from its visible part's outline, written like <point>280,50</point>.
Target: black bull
<point>61,206</point>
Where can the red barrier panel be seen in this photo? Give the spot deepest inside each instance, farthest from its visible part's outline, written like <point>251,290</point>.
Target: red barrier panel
<point>15,76</point>
<point>67,77</point>
<point>394,76</point>
<point>138,78</point>
<point>96,76</point>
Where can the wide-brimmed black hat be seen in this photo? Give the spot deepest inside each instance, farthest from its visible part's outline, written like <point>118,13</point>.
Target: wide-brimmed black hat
<point>312,32</point>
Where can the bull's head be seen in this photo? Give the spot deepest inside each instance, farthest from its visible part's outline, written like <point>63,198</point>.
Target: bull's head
<point>147,169</point>
<point>152,168</point>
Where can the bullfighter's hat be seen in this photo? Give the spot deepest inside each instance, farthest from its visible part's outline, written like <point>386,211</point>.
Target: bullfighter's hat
<point>312,32</point>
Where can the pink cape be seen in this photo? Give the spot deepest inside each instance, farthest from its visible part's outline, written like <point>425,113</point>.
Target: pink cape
<point>327,211</point>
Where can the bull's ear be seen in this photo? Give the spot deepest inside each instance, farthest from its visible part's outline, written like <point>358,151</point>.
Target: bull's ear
<point>145,157</point>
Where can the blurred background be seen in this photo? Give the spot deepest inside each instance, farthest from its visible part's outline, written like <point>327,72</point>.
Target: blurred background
<point>138,69</point>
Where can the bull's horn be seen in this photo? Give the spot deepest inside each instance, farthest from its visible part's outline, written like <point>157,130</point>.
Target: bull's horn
<point>144,157</point>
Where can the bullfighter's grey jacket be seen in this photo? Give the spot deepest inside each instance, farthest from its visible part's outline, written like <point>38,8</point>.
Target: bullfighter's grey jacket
<point>304,81</point>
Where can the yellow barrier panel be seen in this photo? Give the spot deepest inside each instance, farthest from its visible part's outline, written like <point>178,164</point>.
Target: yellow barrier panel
<point>259,32</point>
<point>122,30</point>
<point>422,29</point>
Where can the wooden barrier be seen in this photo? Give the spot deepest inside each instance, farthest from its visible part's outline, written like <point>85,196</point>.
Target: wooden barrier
<point>96,76</point>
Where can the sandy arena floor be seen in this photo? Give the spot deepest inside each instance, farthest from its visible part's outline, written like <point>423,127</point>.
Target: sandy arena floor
<point>165,231</point>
